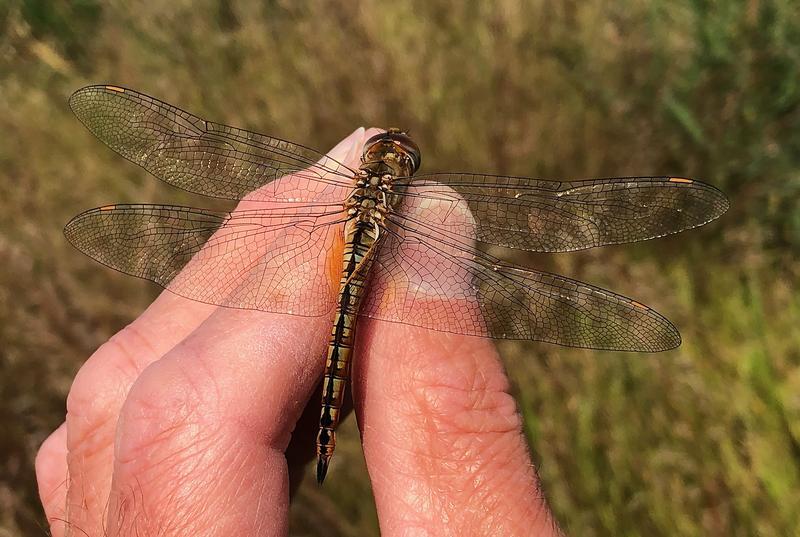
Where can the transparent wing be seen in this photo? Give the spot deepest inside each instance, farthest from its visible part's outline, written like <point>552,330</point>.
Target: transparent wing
<point>552,216</point>
<point>277,260</point>
<point>427,275</point>
<point>194,154</point>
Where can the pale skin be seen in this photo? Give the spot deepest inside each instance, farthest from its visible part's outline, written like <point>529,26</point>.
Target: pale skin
<point>186,423</point>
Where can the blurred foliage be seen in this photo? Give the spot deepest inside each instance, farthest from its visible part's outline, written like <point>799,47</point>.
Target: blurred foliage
<point>704,440</point>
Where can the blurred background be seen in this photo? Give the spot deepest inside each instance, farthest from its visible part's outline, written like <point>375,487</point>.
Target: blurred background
<point>702,440</point>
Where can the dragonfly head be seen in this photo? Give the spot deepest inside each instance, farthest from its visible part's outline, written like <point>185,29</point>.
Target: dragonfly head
<point>391,151</point>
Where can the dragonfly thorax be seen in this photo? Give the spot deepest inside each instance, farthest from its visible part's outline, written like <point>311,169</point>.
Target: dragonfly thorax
<point>371,198</point>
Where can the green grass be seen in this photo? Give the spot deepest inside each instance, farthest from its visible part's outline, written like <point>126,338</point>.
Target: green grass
<point>704,440</point>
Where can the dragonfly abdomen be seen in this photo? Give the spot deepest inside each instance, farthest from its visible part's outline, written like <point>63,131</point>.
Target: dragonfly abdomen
<point>360,239</point>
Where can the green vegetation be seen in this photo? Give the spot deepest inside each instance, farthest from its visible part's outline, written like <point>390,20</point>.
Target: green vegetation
<point>704,440</point>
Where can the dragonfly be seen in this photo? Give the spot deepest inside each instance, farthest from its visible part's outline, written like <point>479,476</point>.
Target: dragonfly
<point>312,236</point>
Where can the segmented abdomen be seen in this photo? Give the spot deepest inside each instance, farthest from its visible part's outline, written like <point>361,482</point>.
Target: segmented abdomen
<point>360,238</point>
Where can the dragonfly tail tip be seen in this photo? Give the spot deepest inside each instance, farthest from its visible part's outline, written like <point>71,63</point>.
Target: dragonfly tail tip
<point>322,468</point>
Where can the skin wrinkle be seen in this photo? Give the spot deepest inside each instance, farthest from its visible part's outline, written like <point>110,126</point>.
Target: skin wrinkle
<point>482,410</point>
<point>184,491</point>
<point>83,400</point>
<point>89,422</point>
<point>169,435</point>
<point>145,422</point>
<point>457,481</point>
<point>199,420</point>
<point>81,505</point>
<point>488,493</point>
<point>455,412</point>
<point>237,484</point>
<point>203,387</point>
<point>143,522</point>
<point>90,435</point>
<point>132,331</point>
<point>206,405</point>
<point>127,344</point>
<point>193,425</point>
<point>55,491</point>
<point>241,487</point>
<point>187,486</point>
<point>159,454</point>
<point>127,367</point>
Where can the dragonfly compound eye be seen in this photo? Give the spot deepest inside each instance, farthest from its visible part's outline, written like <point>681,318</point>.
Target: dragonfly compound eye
<point>392,142</point>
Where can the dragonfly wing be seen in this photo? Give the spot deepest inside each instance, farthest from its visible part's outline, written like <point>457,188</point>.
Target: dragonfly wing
<point>425,275</point>
<point>191,153</point>
<point>249,258</point>
<point>553,216</point>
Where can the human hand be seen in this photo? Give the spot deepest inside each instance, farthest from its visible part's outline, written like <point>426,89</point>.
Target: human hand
<point>184,423</point>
